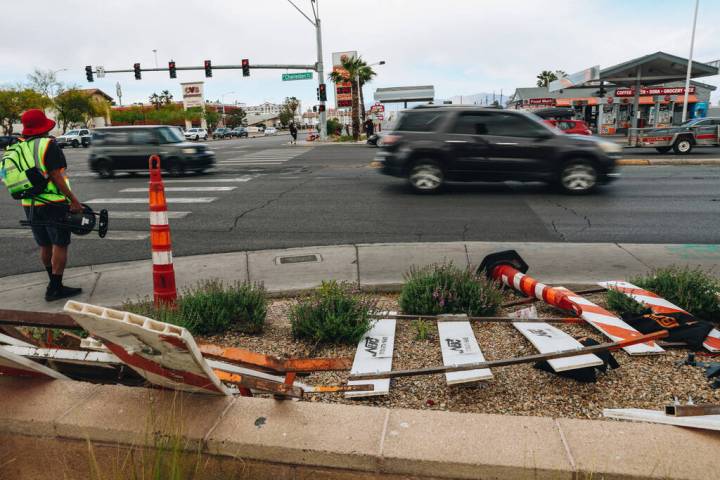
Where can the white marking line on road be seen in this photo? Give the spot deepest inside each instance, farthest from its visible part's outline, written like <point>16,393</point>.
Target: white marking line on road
<point>211,180</point>
<point>145,200</point>
<point>127,235</point>
<point>181,189</point>
<point>143,215</point>
<point>250,162</point>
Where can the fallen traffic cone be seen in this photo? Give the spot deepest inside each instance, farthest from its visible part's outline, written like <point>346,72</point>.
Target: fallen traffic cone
<point>164,290</point>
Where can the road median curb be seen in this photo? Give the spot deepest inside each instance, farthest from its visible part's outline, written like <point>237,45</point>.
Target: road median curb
<point>669,161</point>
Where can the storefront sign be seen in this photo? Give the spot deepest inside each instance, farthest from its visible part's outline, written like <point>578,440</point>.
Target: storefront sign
<point>541,101</point>
<point>192,94</point>
<point>343,90</point>
<point>630,92</point>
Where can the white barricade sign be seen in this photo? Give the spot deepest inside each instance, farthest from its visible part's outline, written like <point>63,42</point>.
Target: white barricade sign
<point>707,422</point>
<point>548,339</point>
<point>459,347</point>
<point>374,354</point>
<point>166,355</point>
<point>14,365</point>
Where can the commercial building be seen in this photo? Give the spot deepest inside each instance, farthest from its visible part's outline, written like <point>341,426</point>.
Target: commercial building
<point>613,103</point>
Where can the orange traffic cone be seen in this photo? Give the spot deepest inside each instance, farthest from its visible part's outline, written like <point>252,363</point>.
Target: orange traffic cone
<point>164,290</point>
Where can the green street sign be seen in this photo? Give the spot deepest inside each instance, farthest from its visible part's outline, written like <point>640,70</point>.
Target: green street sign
<point>297,76</point>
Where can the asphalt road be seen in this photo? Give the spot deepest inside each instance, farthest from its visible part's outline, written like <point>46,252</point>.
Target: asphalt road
<point>267,194</point>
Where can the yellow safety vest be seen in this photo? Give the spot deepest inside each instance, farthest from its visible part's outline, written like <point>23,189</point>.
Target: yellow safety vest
<point>24,155</point>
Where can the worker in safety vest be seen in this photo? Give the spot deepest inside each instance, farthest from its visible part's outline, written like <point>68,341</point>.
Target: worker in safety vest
<point>34,171</point>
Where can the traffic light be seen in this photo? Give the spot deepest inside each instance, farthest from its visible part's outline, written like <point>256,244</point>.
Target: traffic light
<point>321,108</point>
<point>208,68</point>
<point>314,108</point>
<point>246,67</point>
<point>89,73</point>
<point>317,90</point>
<point>138,75</point>
<point>171,68</point>
<point>322,93</point>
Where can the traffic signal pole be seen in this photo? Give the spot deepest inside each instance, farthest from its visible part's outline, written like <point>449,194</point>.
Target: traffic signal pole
<point>222,67</point>
<point>322,127</point>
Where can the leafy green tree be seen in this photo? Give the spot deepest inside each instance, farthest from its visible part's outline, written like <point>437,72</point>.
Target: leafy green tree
<point>236,118</point>
<point>14,101</point>
<point>75,106</point>
<point>44,82</point>
<point>288,110</point>
<point>547,76</point>
<point>212,117</point>
<point>351,67</point>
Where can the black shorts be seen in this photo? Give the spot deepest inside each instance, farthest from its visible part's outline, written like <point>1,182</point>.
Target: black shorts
<point>46,235</point>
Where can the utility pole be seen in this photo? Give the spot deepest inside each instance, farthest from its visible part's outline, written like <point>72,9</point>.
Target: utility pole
<point>689,68</point>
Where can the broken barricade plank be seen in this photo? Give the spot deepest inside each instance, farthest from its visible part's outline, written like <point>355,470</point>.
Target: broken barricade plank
<point>166,355</point>
<point>603,347</point>
<point>660,306</point>
<point>374,354</point>
<point>269,363</point>
<point>692,410</point>
<point>548,339</point>
<point>459,347</point>
<point>22,318</point>
<point>706,422</point>
<point>14,365</point>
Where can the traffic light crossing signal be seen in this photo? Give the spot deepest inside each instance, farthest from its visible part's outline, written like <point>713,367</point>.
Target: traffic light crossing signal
<point>208,68</point>
<point>322,93</point>
<point>246,67</point>
<point>89,73</point>
<point>138,74</point>
<point>171,68</point>
<point>321,108</point>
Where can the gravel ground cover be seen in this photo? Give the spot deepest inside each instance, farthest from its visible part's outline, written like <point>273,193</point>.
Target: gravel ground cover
<point>640,382</point>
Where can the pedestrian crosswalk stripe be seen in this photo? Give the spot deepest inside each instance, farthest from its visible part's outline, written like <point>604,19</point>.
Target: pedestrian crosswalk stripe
<point>145,200</point>
<point>247,162</point>
<point>181,189</point>
<point>127,235</point>
<point>211,180</point>
<point>115,215</point>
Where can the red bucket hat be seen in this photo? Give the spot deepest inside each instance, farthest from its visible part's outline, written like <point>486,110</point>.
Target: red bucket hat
<point>36,123</point>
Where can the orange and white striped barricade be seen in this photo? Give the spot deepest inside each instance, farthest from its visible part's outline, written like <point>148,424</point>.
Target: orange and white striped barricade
<point>660,306</point>
<point>164,289</point>
<point>509,268</point>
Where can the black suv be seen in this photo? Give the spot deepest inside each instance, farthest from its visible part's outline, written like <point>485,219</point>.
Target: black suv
<point>435,144</point>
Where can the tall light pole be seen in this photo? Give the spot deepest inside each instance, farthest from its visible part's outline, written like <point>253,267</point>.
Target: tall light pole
<point>689,68</point>
<point>315,21</point>
<point>54,73</point>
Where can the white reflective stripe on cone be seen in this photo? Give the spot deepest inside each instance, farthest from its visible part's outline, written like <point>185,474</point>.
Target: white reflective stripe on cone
<point>162,258</point>
<point>159,218</point>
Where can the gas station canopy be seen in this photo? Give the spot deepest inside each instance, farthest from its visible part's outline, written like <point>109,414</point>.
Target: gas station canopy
<point>653,69</point>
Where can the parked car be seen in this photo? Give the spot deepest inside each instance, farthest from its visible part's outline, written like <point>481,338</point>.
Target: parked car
<point>240,132</point>
<point>222,133</point>
<point>271,131</point>
<point>572,127</point>
<point>196,134</point>
<point>432,145</point>
<point>127,149</point>
<point>698,132</point>
<point>75,138</point>
<point>7,140</point>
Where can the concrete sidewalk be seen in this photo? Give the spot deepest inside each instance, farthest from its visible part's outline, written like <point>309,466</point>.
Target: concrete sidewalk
<point>373,266</point>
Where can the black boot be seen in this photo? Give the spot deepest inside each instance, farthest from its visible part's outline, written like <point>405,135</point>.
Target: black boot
<point>56,290</point>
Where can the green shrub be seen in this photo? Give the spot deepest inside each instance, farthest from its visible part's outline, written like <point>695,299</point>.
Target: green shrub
<point>333,125</point>
<point>333,313</point>
<point>624,305</point>
<point>438,289</point>
<point>692,289</point>
<point>212,307</point>
<point>422,328</point>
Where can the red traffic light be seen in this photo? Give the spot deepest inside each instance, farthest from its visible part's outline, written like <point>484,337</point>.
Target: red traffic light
<point>138,74</point>
<point>208,68</point>
<point>245,67</point>
<point>171,68</point>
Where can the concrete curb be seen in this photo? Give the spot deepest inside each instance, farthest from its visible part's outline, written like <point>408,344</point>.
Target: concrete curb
<point>372,266</point>
<point>45,427</point>
<point>667,161</point>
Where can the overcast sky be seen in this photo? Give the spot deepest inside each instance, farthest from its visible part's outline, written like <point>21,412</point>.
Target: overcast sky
<point>459,46</point>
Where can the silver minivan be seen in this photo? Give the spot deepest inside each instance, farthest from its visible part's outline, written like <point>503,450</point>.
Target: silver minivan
<point>128,149</point>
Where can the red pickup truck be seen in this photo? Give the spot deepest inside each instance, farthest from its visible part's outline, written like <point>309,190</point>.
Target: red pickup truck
<point>576,127</point>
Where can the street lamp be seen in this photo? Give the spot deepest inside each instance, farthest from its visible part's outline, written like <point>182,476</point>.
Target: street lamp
<point>357,82</point>
<point>689,68</point>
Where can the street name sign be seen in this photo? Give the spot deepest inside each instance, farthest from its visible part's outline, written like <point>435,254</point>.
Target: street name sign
<point>297,76</point>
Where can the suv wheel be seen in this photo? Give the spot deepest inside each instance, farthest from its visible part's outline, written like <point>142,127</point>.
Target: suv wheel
<point>75,144</point>
<point>105,169</point>
<point>578,177</point>
<point>426,176</point>
<point>682,146</point>
<point>176,168</point>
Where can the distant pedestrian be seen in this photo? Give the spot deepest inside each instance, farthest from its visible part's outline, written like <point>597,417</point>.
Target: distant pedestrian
<point>293,133</point>
<point>369,128</point>
<point>347,129</point>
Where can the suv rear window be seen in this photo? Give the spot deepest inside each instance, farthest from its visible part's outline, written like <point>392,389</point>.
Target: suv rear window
<point>419,121</point>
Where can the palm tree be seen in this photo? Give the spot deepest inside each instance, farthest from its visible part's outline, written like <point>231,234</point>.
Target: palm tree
<point>351,67</point>
<point>166,97</point>
<point>545,77</point>
<point>366,75</point>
